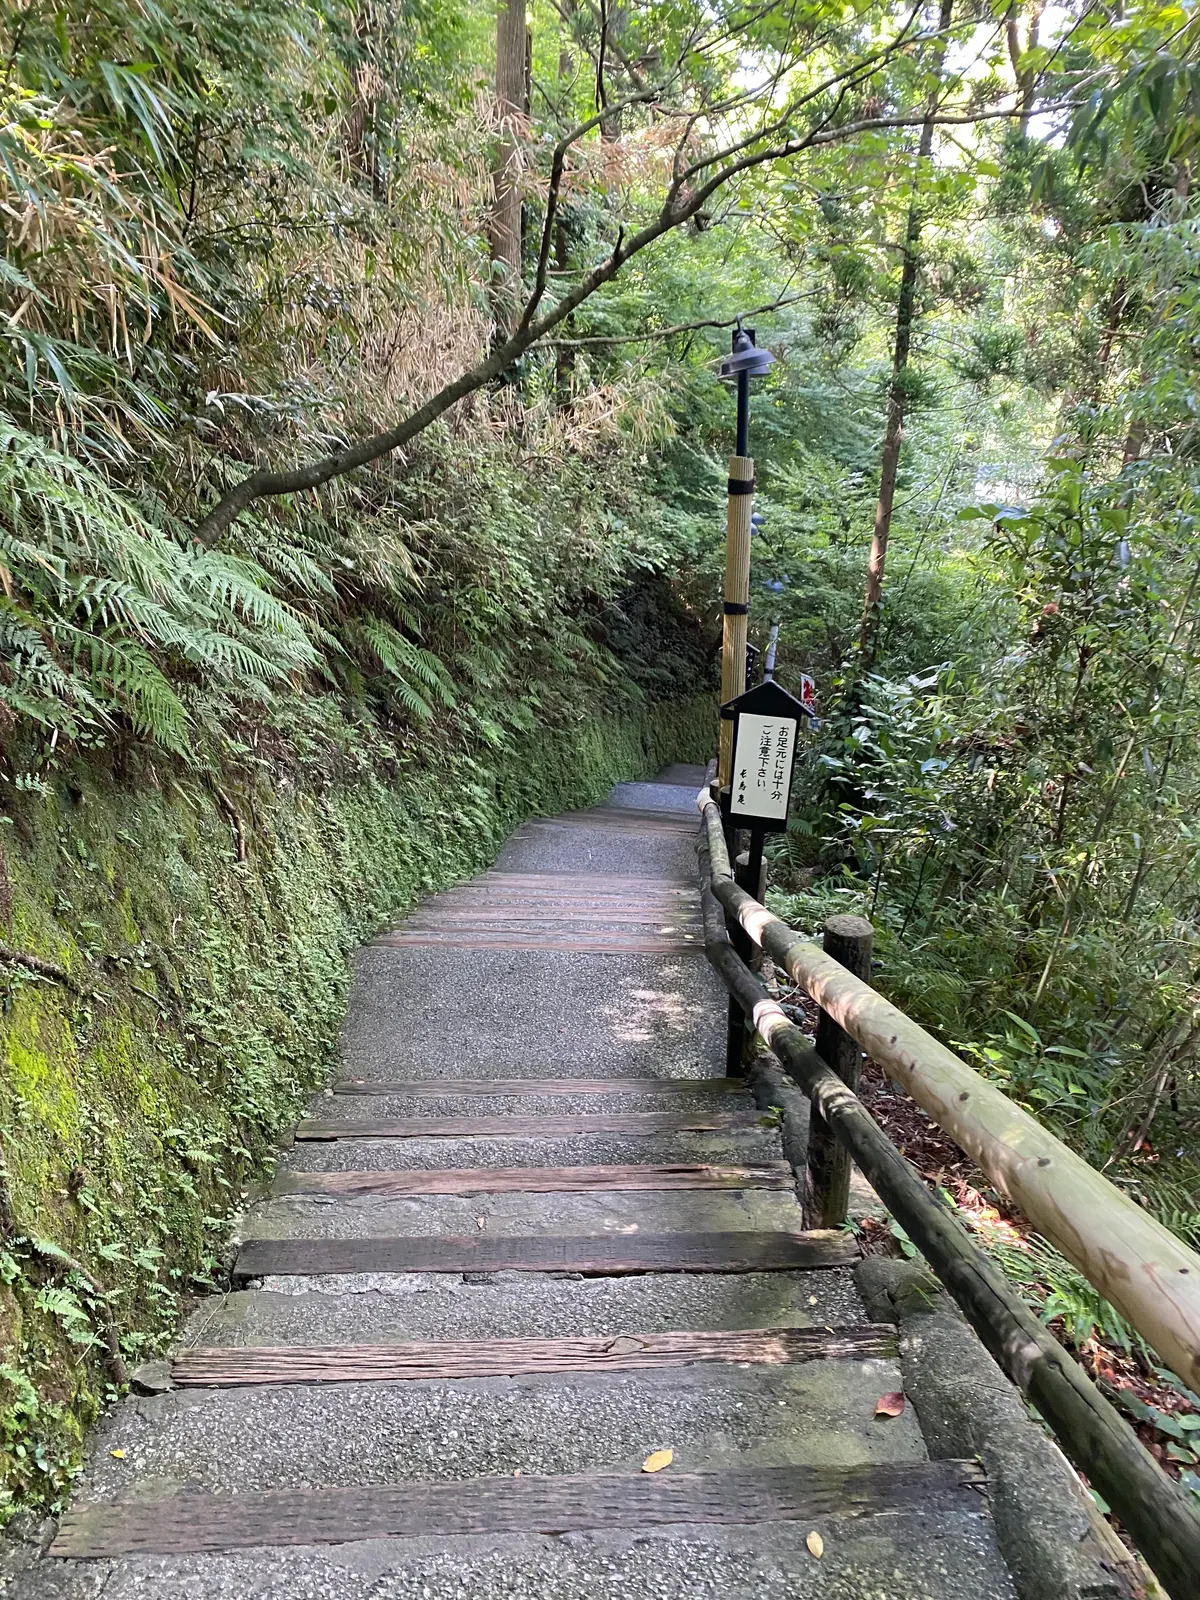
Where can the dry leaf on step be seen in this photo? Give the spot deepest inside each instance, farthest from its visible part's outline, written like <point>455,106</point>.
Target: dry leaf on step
<point>118,1455</point>
<point>815,1544</point>
<point>624,1345</point>
<point>657,1460</point>
<point>889,1405</point>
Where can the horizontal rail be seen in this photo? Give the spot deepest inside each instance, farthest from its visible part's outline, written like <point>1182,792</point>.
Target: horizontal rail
<point>1156,1511</point>
<point>1147,1273</point>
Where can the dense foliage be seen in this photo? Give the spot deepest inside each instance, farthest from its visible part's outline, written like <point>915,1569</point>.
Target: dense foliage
<point>244,235</point>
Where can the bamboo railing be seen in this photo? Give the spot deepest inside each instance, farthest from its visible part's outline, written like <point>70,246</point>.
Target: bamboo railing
<point>1087,1217</point>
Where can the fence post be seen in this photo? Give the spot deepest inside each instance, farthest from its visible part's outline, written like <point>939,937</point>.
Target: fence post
<point>848,940</point>
<point>739,1035</point>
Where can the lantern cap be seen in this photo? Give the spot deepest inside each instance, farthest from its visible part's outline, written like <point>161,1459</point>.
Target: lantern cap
<point>746,356</point>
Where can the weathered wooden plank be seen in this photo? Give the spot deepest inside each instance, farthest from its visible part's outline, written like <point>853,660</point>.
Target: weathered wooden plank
<point>488,1088</point>
<point>628,1122</point>
<point>190,1522</point>
<point>537,1180</point>
<point>597,891</point>
<point>502,1358</point>
<point>600,1255</point>
<point>552,915</point>
<point>600,944</point>
<point>616,885</point>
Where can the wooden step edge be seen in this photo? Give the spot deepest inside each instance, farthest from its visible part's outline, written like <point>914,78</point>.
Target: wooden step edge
<point>239,1367</point>
<point>562,944</point>
<point>599,1255</point>
<point>775,1175</point>
<point>190,1522</point>
<point>626,1122</point>
<point>614,880</point>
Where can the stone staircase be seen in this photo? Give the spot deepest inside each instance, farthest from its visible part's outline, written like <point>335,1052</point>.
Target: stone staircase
<point>532,1240</point>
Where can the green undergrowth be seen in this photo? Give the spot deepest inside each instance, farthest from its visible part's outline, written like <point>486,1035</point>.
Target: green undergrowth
<point>202,929</point>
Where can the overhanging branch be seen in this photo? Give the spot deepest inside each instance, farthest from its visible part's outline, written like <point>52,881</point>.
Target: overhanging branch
<point>675,210</point>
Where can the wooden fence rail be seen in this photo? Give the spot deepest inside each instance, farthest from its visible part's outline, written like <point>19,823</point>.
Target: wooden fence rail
<point>1141,1267</point>
<point>1158,1513</point>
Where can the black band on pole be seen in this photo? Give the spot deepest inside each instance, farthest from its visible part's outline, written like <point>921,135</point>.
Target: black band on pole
<point>734,608</point>
<point>741,486</point>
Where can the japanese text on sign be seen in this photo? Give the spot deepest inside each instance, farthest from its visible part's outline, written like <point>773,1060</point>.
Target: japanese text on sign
<point>762,766</point>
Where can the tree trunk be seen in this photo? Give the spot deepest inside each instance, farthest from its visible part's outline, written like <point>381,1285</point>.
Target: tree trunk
<point>1018,47</point>
<point>893,438</point>
<point>512,105</point>
<point>564,355</point>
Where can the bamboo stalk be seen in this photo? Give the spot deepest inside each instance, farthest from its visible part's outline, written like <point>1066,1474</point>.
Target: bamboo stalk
<point>1147,1273</point>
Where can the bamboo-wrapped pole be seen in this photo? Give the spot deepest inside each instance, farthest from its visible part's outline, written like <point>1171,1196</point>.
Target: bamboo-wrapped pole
<point>1148,1273</point>
<point>737,599</point>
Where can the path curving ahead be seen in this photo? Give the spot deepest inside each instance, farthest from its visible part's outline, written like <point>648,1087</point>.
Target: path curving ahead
<point>530,1239</point>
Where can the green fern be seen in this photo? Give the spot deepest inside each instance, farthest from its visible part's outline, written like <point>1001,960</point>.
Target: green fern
<point>101,604</point>
<point>415,675</point>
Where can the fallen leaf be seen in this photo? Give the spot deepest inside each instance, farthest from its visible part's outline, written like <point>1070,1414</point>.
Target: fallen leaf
<point>119,1455</point>
<point>657,1460</point>
<point>812,1299</point>
<point>889,1405</point>
<point>480,1222</point>
<point>816,1544</point>
<point>624,1345</point>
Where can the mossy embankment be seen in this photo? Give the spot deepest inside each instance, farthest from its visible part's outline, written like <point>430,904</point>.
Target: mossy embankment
<point>202,926</point>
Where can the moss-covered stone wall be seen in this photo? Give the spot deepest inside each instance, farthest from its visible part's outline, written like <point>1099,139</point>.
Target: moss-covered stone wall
<point>202,934</point>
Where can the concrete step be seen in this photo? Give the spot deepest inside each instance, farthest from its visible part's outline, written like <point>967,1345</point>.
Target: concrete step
<point>378,1309</point>
<point>675,797</point>
<point>370,1107</point>
<point>539,1013</point>
<point>232,1440</point>
<point>728,1148</point>
<point>680,774</point>
<point>602,849</point>
<point>692,1211</point>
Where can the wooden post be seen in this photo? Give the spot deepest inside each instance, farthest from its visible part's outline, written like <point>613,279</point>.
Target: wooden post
<point>848,940</point>
<point>751,872</point>
<point>737,600</point>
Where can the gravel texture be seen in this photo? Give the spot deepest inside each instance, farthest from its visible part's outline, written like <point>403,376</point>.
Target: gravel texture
<point>226,1440</point>
<point>729,1148</point>
<point>684,1211</point>
<point>400,1307</point>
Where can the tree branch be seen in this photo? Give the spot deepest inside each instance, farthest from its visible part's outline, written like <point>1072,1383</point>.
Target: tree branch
<point>557,167</point>
<point>679,327</point>
<point>675,210</point>
<point>44,969</point>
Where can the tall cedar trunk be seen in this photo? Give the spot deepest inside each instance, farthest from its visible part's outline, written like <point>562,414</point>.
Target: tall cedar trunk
<point>893,438</point>
<point>564,356</point>
<point>1017,48</point>
<point>511,106</point>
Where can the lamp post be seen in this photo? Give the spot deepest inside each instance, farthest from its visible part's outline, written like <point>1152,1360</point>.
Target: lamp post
<point>744,362</point>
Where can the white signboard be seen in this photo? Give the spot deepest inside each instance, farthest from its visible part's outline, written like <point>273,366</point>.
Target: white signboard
<point>762,767</point>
